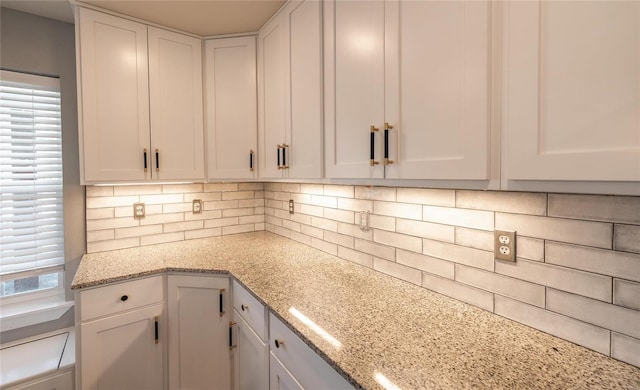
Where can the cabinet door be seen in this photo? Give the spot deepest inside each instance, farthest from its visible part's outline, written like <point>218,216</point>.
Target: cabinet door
<point>231,108</point>
<point>122,351</point>
<point>279,377</point>
<point>250,358</point>
<point>354,87</point>
<point>113,103</point>
<point>304,88</point>
<point>271,97</point>
<point>175,76</point>
<point>572,96</point>
<point>199,355</point>
<point>437,89</point>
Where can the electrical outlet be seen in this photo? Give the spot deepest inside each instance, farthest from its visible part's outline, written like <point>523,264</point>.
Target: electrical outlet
<point>138,210</point>
<point>364,220</point>
<point>504,245</point>
<point>290,206</point>
<point>196,206</point>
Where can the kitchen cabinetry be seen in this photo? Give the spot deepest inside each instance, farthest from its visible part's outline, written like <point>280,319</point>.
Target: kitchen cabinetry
<point>407,89</point>
<point>231,108</point>
<point>199,311</point>
<point>122,336</point>
<point>295,365</point>
<point>290,94</point>
<point>140,101</point>
<point>251,354</point>
<point>571,106</point>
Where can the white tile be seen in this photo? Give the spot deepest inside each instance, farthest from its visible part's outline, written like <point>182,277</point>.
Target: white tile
<point>203,196</point>
<point>399,271</point>
<point>100,213</point>
<point>381,222</point>
<point>202,233</point>
<point>529,248</point>
<point>339,191</point>
<point>624,209</point>
<point>606,315</point>
<point>258,210</point>
<point>479,239</point>
<point>223,204</point>
<point>237,212</point>
<point>398,240</point>
<point>565,279</point>
<point>458,254</point>
<point>237,195</point>
<point>355,256</point>
<point>161,238</point>
<point>250,186</point>
<point>372,248</point>
<point>251,203</point>
<point>507,202</point>
<point>182,226</point>
<point>303,238</point>
<point>220,187</point>
<point>281,231</point>
<point>182,188</point>
<point>137,190</point>
<point>273,220</point>
<point>473,219</point>
<point>95,191</point>
<point>162,218</point>
<point>355,204</point>
<point>101,246</point>
<point>324,246</point>
<point>326,224</point>
<point>291,225</point>
<point>276,204</point>
<point>626,294</point>
<point>111,223</point>
<point>316,211</point>
<point>300,198</point>
<point>619,264</point>
<point>250,227</point>
<point>625,348</point>
<point>273,186</point>
<point>461,292</point>
<point>376,193</point>
<point>340,239</point>
<point>138,231</point>
<point>211,223</point>
<point>161,199</point>
<point>596,234</point>
<point>530,293</point>
<point>339,215</point>
<point>291,187</point>
<point>301,218</point>
<point>312,189</point>
<point>578,332</point>
<point>207,214</point>
<point>258,194</point>
<point>312,231</point>
<point>324,201</point>
<point>627,238</point>
<point>425,263</point>
<point>177,208</point>
<point>259,226</point>
<point>111,201</point>
<point>432,197</point>
<point>354,231</point>
<point>399,210</point>
<point>100,235</point>
<point>425,229</point>
<point>251,219</point>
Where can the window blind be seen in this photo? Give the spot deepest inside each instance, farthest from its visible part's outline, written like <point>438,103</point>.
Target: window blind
<point>31,215</point>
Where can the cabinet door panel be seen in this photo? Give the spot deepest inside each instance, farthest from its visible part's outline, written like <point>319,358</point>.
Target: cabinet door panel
<point>250,358</point>
<point>280,378</point>
<point>175,73</point>
<point>114,98</point>
<point>437,78</point>
<point>304,88</point>
<point>120,352</point>
<point>572,90</point>
<point>231,107</point>
<point>354,87</point>
<point>199,356</point>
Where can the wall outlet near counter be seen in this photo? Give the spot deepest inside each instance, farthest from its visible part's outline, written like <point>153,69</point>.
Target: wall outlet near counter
<point>504,244</point>
<point>196,206</point>
<point>138,210</point>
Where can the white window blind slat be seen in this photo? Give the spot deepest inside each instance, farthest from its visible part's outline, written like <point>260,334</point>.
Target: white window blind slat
<point>31,208</point>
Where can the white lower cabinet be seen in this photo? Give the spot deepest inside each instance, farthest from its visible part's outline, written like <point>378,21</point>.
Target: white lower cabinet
<point>279,377</point>
<point>250,358</point>
<point>57,381</point>
<point>199,312</point>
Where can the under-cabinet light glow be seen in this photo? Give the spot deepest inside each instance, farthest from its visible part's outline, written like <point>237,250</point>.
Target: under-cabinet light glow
<point>314,327</point>
<point>146,183</point>
<point>385,382</point>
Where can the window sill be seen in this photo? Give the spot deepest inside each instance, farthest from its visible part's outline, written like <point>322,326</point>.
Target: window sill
<point>21,314</point>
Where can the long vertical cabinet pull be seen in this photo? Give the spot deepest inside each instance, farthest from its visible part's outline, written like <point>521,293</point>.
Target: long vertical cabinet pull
<point>157,160</point>
<point>387,127</point>
<point>251,153</point>
<point>372,146</point>
<point>145,159</point>
<point>284,156</point>
<point>279,164</point>
<point>231,325</point>
<point>221,302</point>
<point>156,329</point>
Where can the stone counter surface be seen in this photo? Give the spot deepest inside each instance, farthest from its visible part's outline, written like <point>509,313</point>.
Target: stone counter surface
<point>414,337</point>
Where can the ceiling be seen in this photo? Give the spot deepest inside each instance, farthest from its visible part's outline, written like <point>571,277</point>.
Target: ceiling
<point>200,17</point>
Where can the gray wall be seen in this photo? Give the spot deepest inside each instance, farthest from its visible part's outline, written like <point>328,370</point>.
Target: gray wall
<point>39,45</point>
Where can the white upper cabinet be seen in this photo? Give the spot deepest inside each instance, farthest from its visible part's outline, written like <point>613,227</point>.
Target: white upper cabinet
<point>290,92</point>
<point>113,97</point>
<point>140,101</point>
<point>175,85</point>
<point>571,104</point>
<point>407,89</point>
<point>231,108</point>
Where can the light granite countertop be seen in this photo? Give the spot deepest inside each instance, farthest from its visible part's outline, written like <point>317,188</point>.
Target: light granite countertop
<point>414,337</point>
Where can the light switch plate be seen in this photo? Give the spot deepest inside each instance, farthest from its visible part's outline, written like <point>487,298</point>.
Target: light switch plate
<point>504,245</point>
<point>196,206</point>
<point>138,210</point>
<point>291,209</point>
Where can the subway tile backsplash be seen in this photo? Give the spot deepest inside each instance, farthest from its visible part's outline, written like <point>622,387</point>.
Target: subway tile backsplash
<point>577,274</point>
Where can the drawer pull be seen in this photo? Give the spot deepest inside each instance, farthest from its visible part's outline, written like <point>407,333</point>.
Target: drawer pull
<point>231,325</point>
<point>221,302</point>
<point>124,298</point>
<point>244,307</point>
<point>156,328</point>
<point>278,343</point>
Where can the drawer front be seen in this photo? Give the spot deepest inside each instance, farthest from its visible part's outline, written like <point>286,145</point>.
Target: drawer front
<point>119,297</point>
<point>250,309</point>
<point>301,361</point>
